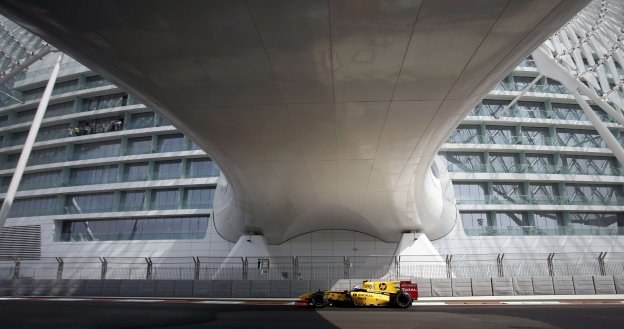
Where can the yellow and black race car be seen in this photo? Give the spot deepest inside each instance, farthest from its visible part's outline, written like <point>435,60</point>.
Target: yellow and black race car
<point>371,293</point>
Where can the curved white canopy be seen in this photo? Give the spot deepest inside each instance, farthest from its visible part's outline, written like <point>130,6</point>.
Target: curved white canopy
<point>322,114</point>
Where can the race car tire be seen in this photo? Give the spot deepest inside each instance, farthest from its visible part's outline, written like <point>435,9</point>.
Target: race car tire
<point>403,300</point>
<point>319,299</point>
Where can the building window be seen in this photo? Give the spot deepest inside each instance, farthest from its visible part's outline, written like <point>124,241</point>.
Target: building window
<point>464,162</point>
<point>465,134</point>
<point>106,101</point>
<point>4,184</point>
<point>65,87</point>
<point>29,95</point>
<point>99,125</point>
<point>142,120</point>
<point>132,200</point>
<point>542,193</point>
<point>96,150</point>
<point>44,156</point>
<point>494,107</point>
<point>568,112</point>
<point>580,138</point>
<point>471,193</point>
<point>554,86</point>
<point>500,135</point>
<point>34,207</point>
<point>95,81</point>
<point>602,114</point>
<point>25,116</point>
<point>535,136</point>
<point>135,171</point>
<point>165,199</point>
<point>53,132</point>
<point>170,228</point>
<point>193,146</point>
<point>589,165</point>
<point>140,145</point>
<point>4,120</point>
<point>531,110</point>
<point>89,203</point>
<point>167,169</point>
<point>594,194</point>
<point>201,168</point>
<point>171,143</point>
<point>54,110</point>
<point>522,82</point>
<point>540,163</point>
<point>548,223</point>
<point>597,223</point>
<point>511,223</point>
<point>199,198</point>
<point>507,193</point>
<point>504,162</point>
<point>93,175</point>
<point>11,161</point>
<point>476,223</point>
<point>40,180</point>
<point>18,137</point>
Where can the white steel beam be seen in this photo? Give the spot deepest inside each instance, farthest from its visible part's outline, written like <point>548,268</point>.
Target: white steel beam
<point>28,144</point>
<point>549,67</point>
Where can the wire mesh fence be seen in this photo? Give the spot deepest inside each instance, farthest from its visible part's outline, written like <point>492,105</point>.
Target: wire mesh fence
<point>315,268</point>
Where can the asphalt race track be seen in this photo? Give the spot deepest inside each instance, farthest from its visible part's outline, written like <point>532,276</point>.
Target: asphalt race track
<point>18,314</point>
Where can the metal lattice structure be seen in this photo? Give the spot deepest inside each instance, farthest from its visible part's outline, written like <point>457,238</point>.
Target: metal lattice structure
<point>586,57</point>
<point>590,48</point>
<point>16,45</point>
<point>18,50</point>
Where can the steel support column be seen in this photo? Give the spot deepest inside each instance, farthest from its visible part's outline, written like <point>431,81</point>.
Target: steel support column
<point>16,270</point>
<point>197,267</point>
<point>551,266</point>
<point>601,263</point>
<point>148,275</point>
<point>59,271</point>
<point>499,265</point>
<point>104,268</point>
<point>245,268</point>
<point>449,267</point>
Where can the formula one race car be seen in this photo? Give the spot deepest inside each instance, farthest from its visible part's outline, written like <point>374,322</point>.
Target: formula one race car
<point>371,293</point>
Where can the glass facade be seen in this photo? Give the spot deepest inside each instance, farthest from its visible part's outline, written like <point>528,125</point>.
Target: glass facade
<point>85,144</point>
<point>168,169</point>
<point>90,142</point>
<point>545,158</point>
<point>164,228</point>
<point>93,175</point>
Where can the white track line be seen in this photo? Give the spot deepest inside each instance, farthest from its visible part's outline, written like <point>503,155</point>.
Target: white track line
<point>532,303</point>
<point>132,300</point>
<point>260,302</point>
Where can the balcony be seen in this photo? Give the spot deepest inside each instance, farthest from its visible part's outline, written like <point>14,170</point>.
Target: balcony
<point>533,169</point>
<point>535,230</point>
<point>492,199</point>
<point>528,140</point>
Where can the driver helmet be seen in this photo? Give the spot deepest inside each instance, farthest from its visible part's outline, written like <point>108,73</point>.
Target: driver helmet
<point>356,287</point>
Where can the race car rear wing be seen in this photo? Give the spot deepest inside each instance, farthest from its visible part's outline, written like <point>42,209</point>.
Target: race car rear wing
<point>410,288</point>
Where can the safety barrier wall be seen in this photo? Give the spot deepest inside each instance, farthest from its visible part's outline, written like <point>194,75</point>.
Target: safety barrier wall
<point>454,287</point>
<point>320,267</point>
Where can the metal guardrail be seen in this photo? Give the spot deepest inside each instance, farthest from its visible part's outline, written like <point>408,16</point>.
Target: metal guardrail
<point>314,268</point>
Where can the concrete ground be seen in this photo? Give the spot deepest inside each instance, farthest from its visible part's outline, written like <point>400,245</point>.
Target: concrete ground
<point>134,313</point>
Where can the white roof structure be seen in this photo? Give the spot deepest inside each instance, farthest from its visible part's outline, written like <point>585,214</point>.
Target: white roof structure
<point>321,114</point>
